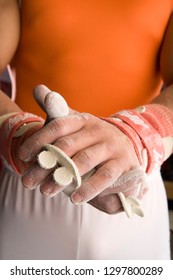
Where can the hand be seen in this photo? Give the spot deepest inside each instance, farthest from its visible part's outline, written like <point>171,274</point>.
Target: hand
<point>131,186</point>
<point>90,142</point>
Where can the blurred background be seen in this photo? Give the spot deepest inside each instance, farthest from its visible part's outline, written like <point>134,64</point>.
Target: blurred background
<point>167,175</point>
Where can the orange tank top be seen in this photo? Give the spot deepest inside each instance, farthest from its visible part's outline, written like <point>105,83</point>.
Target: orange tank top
<point>101,55</point>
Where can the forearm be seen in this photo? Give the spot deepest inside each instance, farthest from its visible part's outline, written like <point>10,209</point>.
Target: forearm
<point>9,30</point>
<point>9,36</point>
<point>166,67</point>
<point>15,127</point>
<point>6,105</point>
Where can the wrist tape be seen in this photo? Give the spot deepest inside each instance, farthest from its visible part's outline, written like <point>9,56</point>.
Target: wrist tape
<point>14,129</point>
<point>146,127</point>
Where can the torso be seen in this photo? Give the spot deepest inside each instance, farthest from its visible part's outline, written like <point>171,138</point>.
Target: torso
<point>102,56</point>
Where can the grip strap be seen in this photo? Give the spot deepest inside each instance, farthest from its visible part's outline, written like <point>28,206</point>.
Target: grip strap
<point>9,126</point>
<point>146,126</point>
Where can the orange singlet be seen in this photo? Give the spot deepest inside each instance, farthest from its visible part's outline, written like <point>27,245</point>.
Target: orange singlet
<point>102,56</point>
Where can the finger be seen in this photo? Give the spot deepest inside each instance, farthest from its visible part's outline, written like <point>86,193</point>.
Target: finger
<point>39,94</point>
<point>79,140</point>
<point>89,158</point>
<point>104,177</point>
<point>50,188</point>
<point>51,102</point>
<point>34,176</point>
<point>48,134</point>
<point>127,181</point>
<point>73,143</point>
<point>109,204</point>
<point>88,136</point>
<point>55,105</point>
<point>85,161</point>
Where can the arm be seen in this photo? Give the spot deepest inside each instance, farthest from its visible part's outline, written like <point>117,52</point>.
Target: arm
<point>166,67</point>
<point>12,119</point>
<point>9,34</point>
<point>166,58</point>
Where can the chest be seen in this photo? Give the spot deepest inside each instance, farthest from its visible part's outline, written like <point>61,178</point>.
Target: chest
<point>90,23</point>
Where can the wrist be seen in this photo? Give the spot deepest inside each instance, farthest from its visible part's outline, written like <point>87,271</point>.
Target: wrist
<point>152,125</point>
<point>13,132</point>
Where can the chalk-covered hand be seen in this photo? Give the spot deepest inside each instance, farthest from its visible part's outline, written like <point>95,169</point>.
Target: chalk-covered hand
<point>91,143</point>
<point>118,151</point>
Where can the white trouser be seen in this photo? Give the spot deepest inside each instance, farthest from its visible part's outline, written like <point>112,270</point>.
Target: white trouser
<point>35,227</point>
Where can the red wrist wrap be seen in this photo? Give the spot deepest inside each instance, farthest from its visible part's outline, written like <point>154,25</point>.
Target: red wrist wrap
<point>8,129</point>
<point>147,125</point>
<point>128,131</point>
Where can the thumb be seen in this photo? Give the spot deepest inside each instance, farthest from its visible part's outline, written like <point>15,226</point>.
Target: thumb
<point>51,102</point>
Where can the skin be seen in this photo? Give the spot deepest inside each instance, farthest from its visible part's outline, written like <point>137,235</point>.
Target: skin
<point>96,148</point>
<point>9,24</point>
<point>89,141</point>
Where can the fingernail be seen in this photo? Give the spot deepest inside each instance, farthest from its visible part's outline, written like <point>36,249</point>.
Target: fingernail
<point>76,198</point>
<point>51,194</point>
<point>47,191</point>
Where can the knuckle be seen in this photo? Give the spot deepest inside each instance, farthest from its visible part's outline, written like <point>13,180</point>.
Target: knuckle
<point>57,127</point>
<point>86,158</point>
<point>107,173</point>
<point>91,188</point>
<point>85,117</point>
<point>64,143</point>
